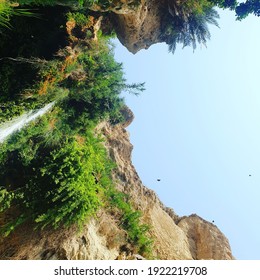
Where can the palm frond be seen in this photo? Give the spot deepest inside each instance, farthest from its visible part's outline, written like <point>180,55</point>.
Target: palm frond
<point>7,10</point>
<point>189,28</point>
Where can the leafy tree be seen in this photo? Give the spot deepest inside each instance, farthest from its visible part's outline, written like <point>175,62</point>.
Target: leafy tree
<point>242,9</point>
<point>225,4</point>
<point>185,8</point>
<point>248,7</point>
<point>188,25</point>
<point>97,95</point>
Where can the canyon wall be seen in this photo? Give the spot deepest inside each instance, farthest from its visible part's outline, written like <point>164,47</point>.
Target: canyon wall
<point>175,238</point>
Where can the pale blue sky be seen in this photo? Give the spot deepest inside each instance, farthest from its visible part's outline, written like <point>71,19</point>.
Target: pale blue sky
<point>197,128</point>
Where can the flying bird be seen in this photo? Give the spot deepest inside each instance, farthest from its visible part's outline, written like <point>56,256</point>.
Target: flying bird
<point>158,180</point>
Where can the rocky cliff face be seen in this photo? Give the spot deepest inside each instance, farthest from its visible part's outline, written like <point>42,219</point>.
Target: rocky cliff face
<point>174,237</point>
<point>141,27</point>
<point>138,23</point>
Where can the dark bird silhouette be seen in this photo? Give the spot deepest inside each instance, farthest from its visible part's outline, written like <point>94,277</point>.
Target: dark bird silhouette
<point>249,175</point>
<point>158,180</point>
<point>213,221</point>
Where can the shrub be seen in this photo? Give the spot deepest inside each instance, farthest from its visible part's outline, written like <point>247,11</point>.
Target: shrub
<point>64,188</point>
<point>130,220</point>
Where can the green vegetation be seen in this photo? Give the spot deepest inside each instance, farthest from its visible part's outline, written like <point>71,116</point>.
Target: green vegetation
<point>70,184</point>
<point>62,189</point>
<point>248,7</point>
<point>187,22</point>
<point>7,10</point>
<point>80,19</point>
<point>27,57</point>
<point>130,221</point>
<point>56,172</point>
<point>242,9</point>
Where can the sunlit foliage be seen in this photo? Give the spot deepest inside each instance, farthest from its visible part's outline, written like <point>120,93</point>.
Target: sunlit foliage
<point>188,24</point>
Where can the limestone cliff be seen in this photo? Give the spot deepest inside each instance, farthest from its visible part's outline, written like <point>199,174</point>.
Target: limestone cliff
<point>101,238</point>
<point>138,24</point>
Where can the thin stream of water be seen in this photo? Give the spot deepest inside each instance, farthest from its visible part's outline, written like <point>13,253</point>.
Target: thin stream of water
<point>10,127</point>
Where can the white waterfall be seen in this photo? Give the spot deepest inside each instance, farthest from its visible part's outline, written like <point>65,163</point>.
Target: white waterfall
<point>18,123</point>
